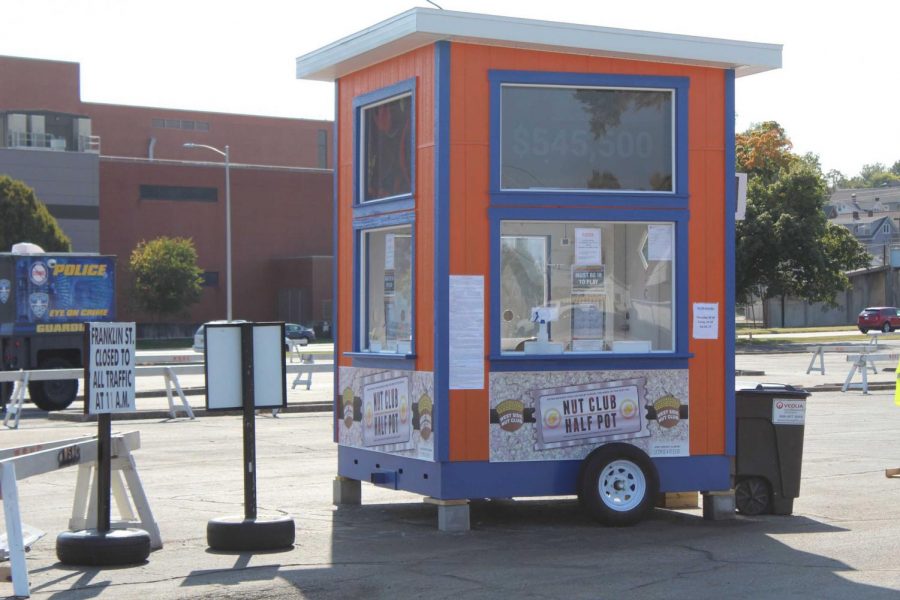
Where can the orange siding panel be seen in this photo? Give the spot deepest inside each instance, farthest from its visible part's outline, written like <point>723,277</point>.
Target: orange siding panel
<point>469,200</point>
<point>420,65</point>
<point>469,239</point>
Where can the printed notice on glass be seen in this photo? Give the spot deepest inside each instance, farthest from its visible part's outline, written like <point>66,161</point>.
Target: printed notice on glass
<point>389,251</point>
<point>659,242</point>
<point>706,320</point>
<point>587,246</point>
<point>466,332</point>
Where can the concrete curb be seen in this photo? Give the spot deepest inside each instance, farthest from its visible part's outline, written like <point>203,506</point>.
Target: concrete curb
<point>836,387</point>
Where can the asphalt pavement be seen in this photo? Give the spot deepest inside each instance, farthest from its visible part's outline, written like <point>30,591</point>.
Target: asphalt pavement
<point>841,541</point>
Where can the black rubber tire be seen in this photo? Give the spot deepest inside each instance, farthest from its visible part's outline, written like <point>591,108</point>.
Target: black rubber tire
<point>622,467</point>
<point>53,395</point>
<point>235,534</point>
<point>753,497</point>
<point>103,549</point>
<point>864,329</point>
<point>886,328</point>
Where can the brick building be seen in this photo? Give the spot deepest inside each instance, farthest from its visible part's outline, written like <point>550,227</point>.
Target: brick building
<point>114,175</point>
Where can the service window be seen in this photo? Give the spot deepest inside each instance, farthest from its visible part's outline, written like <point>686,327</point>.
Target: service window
<point>386,147</point>
<point>586,287</point>
<point>386,290</point>
<point>584,138</point>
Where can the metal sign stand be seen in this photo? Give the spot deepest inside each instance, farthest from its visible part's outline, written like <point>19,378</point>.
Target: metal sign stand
<point>250,533</point>
<point>111,345</point>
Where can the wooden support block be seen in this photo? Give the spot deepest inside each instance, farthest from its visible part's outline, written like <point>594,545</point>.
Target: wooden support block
<point>439,502</point>
<point>678,500</point>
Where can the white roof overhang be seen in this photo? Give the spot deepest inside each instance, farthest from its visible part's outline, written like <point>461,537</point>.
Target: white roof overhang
<point>424,26</point>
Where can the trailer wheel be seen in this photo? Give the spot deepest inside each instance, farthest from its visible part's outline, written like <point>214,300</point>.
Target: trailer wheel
<point>752,496</point>
<point>618,484</point>
<point>53,395</point>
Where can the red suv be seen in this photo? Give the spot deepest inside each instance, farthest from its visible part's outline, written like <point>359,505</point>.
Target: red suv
<point>885,318</point>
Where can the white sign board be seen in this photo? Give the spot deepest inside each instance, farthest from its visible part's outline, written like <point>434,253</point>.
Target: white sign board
<point>467,332</point>
<point>788,412</point>
<point>706,320</point>
<point>109,370</point>
<point>387,412</point>
<point>224,369</point>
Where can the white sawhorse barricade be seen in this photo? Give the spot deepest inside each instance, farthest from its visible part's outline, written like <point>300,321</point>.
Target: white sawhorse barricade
<point>862,363</point>
<point>28,461</point>
<point>307,365</point>
<point>169,374</point>
<point>819,354</point>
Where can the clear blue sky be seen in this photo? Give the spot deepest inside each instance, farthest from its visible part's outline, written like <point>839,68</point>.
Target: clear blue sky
<point>836,94</point>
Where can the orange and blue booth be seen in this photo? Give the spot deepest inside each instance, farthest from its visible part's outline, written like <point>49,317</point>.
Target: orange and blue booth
<point>534,252</point>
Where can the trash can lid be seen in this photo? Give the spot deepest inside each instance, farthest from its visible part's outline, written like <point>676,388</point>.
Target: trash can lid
<point>775,390</point>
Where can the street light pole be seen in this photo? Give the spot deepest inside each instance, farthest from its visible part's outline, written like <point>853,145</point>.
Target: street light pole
<point>226,154</point>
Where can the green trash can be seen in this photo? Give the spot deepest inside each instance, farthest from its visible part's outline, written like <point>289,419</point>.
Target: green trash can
<point>771,419</point>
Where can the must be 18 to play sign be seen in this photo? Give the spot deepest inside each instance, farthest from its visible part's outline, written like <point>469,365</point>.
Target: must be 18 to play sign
<point>109,368</point>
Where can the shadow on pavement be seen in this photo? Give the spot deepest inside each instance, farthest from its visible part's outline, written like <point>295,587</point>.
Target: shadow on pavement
<point>549,549</point>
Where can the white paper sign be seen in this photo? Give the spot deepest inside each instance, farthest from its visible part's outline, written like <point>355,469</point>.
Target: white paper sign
<point>389,251</point>
<point>659,242</point>
<point>110,368</point>
<point>788,412</point>
<point>587,246</point>
<point>706,320</point>
<point>466,332</point>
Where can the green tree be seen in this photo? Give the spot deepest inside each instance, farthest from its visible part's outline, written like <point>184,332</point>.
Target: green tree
<point>24,218</point>
<point>836,179</point>
<point>874,175</point>
<point>166,276</point>
<point>895,168</point>
<point>786,246</point>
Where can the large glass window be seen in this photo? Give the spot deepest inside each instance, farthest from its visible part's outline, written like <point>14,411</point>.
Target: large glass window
<point>587,287</point>
<point>586,138</point>
<point>386,149</point>
<point>387,290</point>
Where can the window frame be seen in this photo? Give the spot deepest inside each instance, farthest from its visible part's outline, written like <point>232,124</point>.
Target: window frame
<point>516,361</point>
<point>360,355</point>
<point>679,86</point>
<point>360,105</point>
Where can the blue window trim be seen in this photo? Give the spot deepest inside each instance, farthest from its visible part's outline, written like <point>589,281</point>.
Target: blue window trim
<point>361,226</point>
<point>728,313</point>
<point>675,199</point>
<point>403,201</point>
<point>335,204</point>
<point>442,250</point>
<point>677,359</point>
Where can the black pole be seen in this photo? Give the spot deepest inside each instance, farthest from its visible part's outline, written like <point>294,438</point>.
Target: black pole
<point>104,471</point>
<point>249,421</point>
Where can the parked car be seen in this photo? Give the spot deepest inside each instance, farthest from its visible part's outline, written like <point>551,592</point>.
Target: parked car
<point>199,342</point>
<point>295,331</point>
<point>885,318</point>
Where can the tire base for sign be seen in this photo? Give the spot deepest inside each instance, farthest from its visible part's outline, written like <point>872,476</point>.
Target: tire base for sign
<point>95,548</point>
<point>237,534</point>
